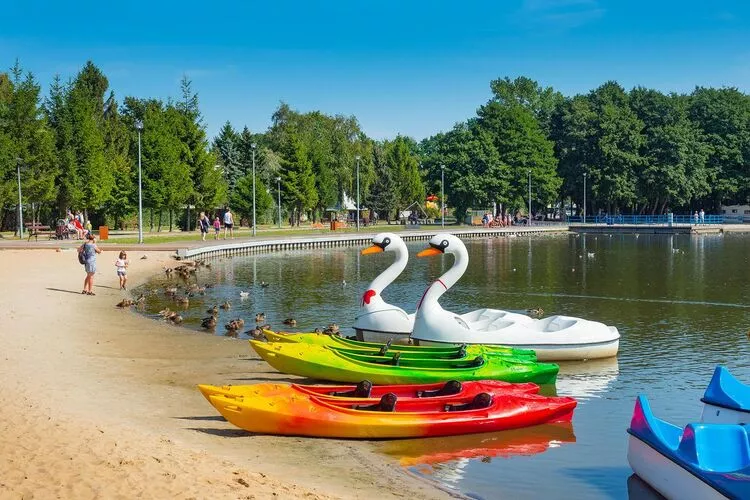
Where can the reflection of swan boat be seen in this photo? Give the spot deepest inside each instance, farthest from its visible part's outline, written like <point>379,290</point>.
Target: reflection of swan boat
<point>553,338</point>
<point>527,441</point>
<point>379,321</point>
<point>586,379</point>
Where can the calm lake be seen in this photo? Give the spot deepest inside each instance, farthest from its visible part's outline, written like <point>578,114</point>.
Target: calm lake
<point>681,303</point>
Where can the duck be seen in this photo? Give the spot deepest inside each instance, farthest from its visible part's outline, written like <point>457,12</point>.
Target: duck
<point>376,315</point>
<point>290,322</point>
<point>318,330</point>
<point>244,295</point>
<point>226,306</point>
<point>164,312</point>
<point>213,310</point>
<point>256,333</point>
<point>553,338</point>
<point>332,329</point>
<point>264,284</point>
<point>125,303</point>
<point>168,271</point>
<point>260,317</point>
<point>535,311</point>
<point>209,322</point>
<point>235,324</point>
<point>590,255</point>
<point>175,318</point>
<point>170,291</point>
<point>183,301</point>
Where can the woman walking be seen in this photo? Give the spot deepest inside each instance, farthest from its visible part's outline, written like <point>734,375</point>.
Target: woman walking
<point>89,250</point>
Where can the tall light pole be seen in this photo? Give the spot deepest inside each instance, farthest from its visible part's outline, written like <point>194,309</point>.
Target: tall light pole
<point>442,196</point>
<point>357,158</point>
<point>253,146</point>
<point>529,197</point>
<point>278,190</point>
<point>139,128</point>
<point>584,197</point>
<point>20,203</point>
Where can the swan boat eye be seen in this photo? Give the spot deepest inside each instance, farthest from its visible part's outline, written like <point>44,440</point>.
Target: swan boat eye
<point>440,246</point>
<point>384,243</point>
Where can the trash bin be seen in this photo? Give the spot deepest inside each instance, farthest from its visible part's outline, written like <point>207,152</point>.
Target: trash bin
<point>103,232</point>
<point>333,224</point>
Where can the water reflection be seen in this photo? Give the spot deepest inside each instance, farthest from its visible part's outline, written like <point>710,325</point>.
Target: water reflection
<point>586,379</point>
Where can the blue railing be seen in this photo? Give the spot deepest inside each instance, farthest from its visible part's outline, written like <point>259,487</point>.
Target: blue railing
<point>647,219</point>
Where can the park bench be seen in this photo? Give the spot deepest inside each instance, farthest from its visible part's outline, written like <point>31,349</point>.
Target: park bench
<point>35,230</point>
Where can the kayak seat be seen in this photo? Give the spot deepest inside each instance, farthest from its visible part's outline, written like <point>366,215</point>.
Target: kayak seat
<point>387,403</point>
<point>385,348</point>
<point>461,352</point>
<point>361,390</point>
<point>476,362</point>
<point>395,359</point>
<point>481,401</point>
<point>449,389</point>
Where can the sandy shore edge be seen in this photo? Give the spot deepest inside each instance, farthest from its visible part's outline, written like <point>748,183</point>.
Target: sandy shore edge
<point>97,402</point>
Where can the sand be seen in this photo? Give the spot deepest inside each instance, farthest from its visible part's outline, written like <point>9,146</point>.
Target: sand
<point>97,402</point>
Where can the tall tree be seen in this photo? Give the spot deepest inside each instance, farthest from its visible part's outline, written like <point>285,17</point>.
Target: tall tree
<point>406,175</point>
<point>227,150</point>
<point>382,196</point>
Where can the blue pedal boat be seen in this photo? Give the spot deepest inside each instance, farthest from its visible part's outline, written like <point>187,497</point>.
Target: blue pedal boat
<point>726,400</point>
<point>701,461</point>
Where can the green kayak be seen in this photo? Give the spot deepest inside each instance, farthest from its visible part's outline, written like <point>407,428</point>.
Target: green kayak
<point>318,362</point>
<point>407,351</point>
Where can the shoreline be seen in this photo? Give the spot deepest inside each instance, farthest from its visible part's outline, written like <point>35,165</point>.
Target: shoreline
<point>99,402</point>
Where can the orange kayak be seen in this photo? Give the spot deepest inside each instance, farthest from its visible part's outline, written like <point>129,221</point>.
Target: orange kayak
<point>365,390</point>
<point>305,415</point>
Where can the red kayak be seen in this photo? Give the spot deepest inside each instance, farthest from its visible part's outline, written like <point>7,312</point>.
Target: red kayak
<point>453,390</point>
<point>305,415</point>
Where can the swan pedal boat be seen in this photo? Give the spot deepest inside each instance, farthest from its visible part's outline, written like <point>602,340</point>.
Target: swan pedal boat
<point>380,321</point>
<point>555,338</point>
<point>318,362</point>
<point>701,461</point>
<point>726,400</point>
<point>355,346</point>
<point>366,392</point>
<point>306,415</point>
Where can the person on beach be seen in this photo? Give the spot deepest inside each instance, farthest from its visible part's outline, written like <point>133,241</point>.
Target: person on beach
<point>695,217</point>
<point>228,223</point>
<point>203,224</point>
<point>89,250</point>
<point>217,227</point>
<point>121,264</point>
<point>702,216</point>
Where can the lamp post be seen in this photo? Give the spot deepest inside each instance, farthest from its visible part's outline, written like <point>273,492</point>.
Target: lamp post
<point>20,203</point>
<point>442,196</point>
<point>253,146</point>
<point>357,158</point>
<point>139,128</point>
<point>529,197</point>
<point>584,197</point>
<point>278,190</point>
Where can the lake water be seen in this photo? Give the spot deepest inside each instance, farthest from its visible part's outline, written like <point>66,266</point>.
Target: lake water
<point>681,303</point>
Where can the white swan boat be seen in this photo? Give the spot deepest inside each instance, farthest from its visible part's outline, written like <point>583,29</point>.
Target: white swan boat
<point>379,321</point>
<point>555,338</point>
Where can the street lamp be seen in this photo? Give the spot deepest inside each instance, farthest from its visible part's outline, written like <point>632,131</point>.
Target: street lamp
<point>139,128</point>
<point>20,203</point>
<point>357,158</point>
<point>584,197</point>
<point>278,189</point>
<point>442,196</point>
<point>529,197</point>
<point>253,145</point>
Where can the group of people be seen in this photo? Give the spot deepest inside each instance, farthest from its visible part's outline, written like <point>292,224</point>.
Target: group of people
<point>88,252</point>
<point>699,217</point>
<point>497,221</point>
<point>75,223</point>
<point>205,223</point>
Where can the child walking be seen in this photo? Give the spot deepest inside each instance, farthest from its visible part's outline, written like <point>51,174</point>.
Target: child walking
<point>122,265</point>
<point>217,227</point>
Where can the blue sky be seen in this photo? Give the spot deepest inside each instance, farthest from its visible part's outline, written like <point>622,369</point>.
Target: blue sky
<point>406,67</point>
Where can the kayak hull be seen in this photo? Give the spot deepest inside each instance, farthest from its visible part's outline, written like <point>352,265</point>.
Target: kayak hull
<point>555,352</point>
<point>309,416</point>
<point>325,364</point>
<point>403,392</point>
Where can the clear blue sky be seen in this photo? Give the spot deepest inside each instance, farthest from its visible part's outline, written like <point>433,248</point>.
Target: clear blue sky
<point>406,67</point>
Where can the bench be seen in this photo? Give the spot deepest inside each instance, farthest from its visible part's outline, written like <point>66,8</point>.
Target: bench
<point>35,230</point>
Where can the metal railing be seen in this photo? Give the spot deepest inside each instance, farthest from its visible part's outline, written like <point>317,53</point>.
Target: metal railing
<point>648,219</point>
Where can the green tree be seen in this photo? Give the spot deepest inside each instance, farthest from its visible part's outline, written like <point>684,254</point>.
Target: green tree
<point>405,169</point>
<point>241,199</point>
<point>382,196</point>
<point>226,147</point>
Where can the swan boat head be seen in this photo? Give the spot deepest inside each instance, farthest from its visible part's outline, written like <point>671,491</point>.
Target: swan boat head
<point>375,314</point>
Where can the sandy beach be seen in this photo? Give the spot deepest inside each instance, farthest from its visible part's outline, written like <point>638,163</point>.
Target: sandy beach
<point>97,402</point>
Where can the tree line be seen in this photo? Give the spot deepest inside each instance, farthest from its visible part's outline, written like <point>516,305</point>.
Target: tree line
<point>642,151</point>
